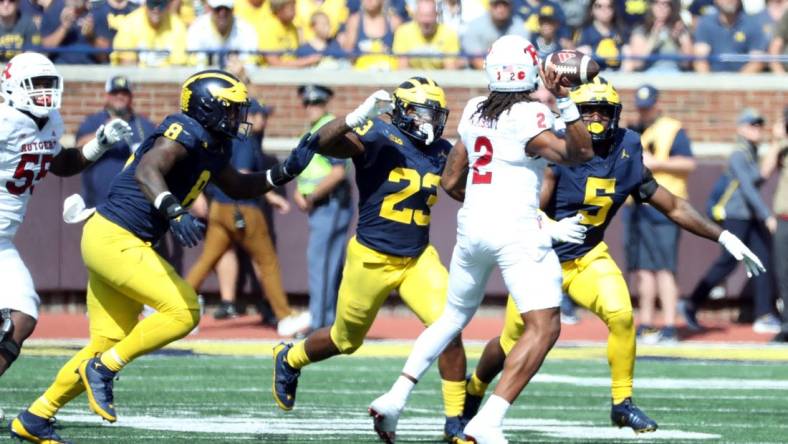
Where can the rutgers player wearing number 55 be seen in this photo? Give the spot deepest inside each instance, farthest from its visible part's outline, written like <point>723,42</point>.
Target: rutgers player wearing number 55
<point>398,167</point>
<point>506,144</point>
<point>30,131</point>
<point>149,196</point>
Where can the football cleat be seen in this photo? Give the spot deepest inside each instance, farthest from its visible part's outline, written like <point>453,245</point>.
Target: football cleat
<point>690,314</point>
<point>285,378</point>
<point>626,414</point>
<point>31,428</point>
<point>452,430</point>
<point>385,415</point>
<point>98,381</point>
<point>480,433</point>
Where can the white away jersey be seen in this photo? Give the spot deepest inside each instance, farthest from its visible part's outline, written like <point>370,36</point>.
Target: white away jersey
<point>503,182</point>
<point>25,155</point>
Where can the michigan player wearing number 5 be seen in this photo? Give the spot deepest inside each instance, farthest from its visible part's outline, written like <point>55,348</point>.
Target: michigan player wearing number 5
<point>148,197</point>
<point>592,193</point>
<point>398,167</point>
<point>30,131</point>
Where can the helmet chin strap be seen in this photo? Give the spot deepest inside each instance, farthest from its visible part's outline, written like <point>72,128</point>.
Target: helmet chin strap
<point>427,130</point>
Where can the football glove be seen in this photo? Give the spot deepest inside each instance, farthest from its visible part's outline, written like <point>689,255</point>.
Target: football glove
<point>187,229</point>
<point>295,163</point>
<point>107,135</point>
<point>737,249</point>
<point>568,229</point>
<point>378,103</point>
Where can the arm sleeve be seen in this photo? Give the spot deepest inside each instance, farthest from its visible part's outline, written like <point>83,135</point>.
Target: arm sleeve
<point>740,169</point>
<point>648,186</point>
<point>681,145</point>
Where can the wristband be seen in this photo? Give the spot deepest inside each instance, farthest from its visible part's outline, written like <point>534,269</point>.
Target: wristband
<point>568,109</point>
<point>168,205</point>
<point>92,150</point>
<point>277,176</point>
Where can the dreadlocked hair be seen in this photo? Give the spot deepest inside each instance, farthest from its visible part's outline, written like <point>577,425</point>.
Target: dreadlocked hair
<point>499,102</point>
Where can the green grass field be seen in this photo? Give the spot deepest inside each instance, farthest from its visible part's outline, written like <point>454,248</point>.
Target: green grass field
<point>187,397</point>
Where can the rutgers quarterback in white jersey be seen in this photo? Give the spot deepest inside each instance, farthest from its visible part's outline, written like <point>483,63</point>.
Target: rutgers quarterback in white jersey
<point>30,131</point>
<point>497,168</point>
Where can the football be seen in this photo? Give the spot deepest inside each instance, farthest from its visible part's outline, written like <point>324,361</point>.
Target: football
<point>577,67</point>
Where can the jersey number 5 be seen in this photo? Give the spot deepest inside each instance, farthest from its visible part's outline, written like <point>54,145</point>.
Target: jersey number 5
<point>482,144</point>
<point>24,171</point>
<point>599,192</point>
<point>415,184</point>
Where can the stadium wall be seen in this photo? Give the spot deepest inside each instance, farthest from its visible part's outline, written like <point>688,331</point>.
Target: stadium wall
<point>708,105</point>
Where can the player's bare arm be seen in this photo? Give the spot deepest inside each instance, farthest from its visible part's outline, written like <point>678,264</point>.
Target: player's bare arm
<point>681,212</point>
<point>72,161</point>
<point>337,139</point>
<point>242,186</point>
<point>576,148</point>
<point>69,162</point>
<point>548,187</point>
<point>455,173</point>
<point>155,164</point>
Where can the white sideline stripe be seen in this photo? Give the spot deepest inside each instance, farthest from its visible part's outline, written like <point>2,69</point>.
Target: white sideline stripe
<point>415,427</point>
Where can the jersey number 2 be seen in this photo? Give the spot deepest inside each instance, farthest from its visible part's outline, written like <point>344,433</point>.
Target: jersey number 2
<point>414,184</point>
<point>25,173</point>
<point>482,144</point>
<point>599,192</point>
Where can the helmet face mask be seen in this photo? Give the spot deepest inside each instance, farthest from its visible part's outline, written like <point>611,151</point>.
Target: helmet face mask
<point>32,84</point>
<point>599,106</point>
<point>218,101</point>
<point>420,110</point>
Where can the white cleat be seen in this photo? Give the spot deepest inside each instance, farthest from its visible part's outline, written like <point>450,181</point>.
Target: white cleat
<point>295,323</point>
<point>480,433</point>
<point>385,415</point>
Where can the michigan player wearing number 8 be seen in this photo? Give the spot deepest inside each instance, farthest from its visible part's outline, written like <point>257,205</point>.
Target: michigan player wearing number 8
<point>595,191</point>
<point>148,197</point>
<point>398,167</point>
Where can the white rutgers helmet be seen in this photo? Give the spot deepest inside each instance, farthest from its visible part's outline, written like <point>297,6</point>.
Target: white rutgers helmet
<point>512,65</point>
<point>31,83</point>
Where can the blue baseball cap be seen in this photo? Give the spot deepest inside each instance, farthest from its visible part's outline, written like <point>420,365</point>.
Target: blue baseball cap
<point>750,116</point>
<point>646,96</point>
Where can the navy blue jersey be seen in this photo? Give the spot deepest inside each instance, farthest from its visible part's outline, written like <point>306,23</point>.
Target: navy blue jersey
<point>598,188</point>
<point>397,184</point>
<point>128,207</point>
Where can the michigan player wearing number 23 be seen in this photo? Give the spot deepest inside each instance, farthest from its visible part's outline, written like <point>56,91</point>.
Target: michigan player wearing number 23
<point>591,193</point>
<point>148,197</point>
<point>398,167</point>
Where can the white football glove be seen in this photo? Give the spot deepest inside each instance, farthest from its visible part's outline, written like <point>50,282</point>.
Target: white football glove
<point>378,103</point>
<point>74,210</point>
<point>107,135</point>
<point>737,249</point>
<point>568,229</point>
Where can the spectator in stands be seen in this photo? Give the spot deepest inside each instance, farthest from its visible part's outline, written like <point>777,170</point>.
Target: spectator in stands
<point>483,31</point>
<point>779,46</point>
<point>107,17</point>
<point>335,10</point>
<point>155,28</point>
<point>187,10</point>
<point>546,39</point>
<point>68,26</point>
<point>323,49</point>
<point>728,31</point>
<point>457,14</point>
<point>777,160</point>
<point>369,34</point>
<point>242,222</point>
<point>575,11</point>
<point>736,203</point>
<point>17,30</point>
<point>254,12</point>
<point>219,30</point>
<point>324,193</point>
<point>118,103</point>
<point>632,12</point>
<point>280,36</point>
<point>699,8</point>
<point>34,9</point>
<point>769,17</point>
<point>531,10</point>
<point>424,35</point>
<point>663,34</point>
<point>602,34</point>
<point>652,240</point>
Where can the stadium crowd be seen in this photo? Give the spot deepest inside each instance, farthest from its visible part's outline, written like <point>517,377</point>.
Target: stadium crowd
<point>630,35</point>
